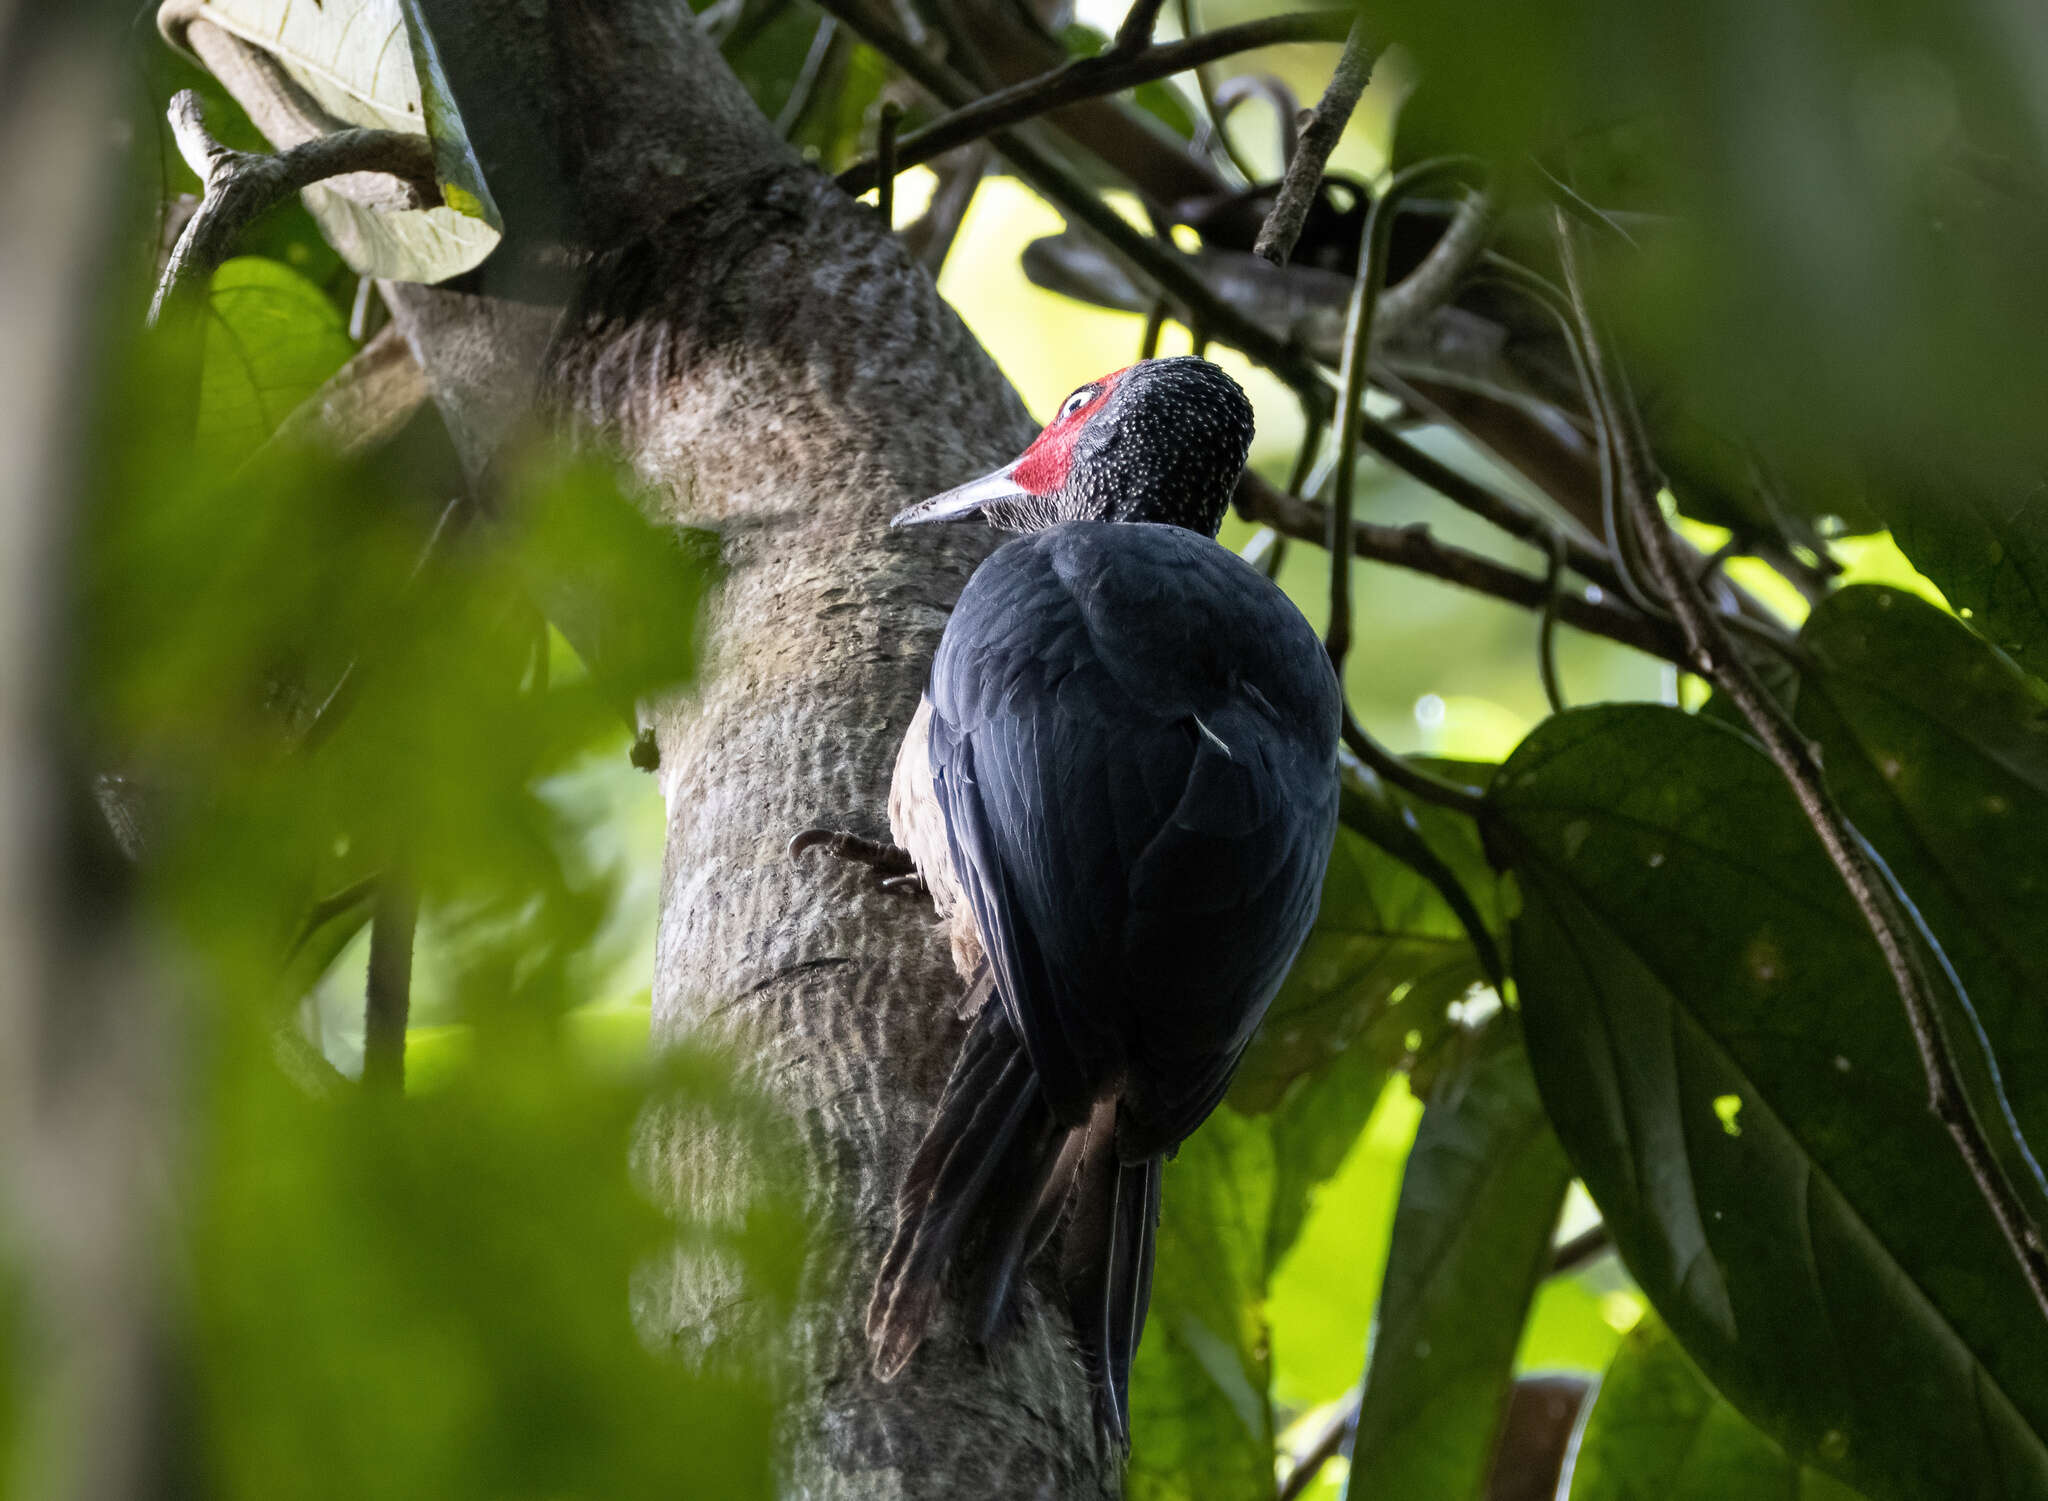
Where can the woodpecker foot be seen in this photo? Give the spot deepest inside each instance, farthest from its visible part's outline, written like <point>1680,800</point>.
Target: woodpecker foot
<point>894,870</point>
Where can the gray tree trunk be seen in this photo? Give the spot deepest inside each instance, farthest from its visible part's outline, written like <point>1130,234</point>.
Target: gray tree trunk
<point>775,366</point>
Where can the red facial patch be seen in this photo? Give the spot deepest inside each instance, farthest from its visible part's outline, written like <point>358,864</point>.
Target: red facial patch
<point>1043,468</point>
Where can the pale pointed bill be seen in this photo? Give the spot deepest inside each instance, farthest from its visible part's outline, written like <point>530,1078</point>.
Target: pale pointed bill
<point>964,500</point>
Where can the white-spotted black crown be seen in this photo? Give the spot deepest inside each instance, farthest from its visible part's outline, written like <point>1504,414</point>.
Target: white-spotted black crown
<point>1167,446</point>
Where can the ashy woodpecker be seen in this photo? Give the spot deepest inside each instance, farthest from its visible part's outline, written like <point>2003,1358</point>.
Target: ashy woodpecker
<point>1121,787</point>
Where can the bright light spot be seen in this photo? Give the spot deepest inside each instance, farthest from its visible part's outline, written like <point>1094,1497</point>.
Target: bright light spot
<point>1622,1311</point>
<point>1429,712</point>
<point>1474,1007</point>
<point>1729,1107</point>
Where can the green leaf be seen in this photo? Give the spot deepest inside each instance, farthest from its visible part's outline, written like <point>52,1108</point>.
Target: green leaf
<point>1989,553</point>
<point>272,338</point>
<point>362,62</point>
<point>1234,1199</point>
<point>1659,1432</point>
<point>1385,958</point>
<point>1721,1052</point>
<point>1479,1202</point>
<point>1937,747</point>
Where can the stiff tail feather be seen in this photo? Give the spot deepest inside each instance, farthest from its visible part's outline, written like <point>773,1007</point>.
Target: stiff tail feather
<point>1106,1266</point>
<point>992,1145</point>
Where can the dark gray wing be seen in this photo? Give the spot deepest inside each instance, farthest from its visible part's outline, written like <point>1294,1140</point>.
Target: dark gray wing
<point>1133,745</point>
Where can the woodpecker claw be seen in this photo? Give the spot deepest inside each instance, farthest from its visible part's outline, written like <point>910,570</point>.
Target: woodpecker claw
<point>889,861</point>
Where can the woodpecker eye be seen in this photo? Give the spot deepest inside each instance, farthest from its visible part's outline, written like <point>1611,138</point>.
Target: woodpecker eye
<point>1078,400</point>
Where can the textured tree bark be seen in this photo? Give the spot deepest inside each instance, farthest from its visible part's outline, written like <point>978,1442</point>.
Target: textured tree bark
<point>773,365</point>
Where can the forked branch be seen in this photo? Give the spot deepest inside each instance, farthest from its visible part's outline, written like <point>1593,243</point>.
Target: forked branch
<point>240,186</point>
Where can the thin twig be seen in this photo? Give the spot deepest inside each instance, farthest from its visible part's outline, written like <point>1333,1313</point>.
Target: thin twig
<point>1716,658</point>
<point>240,185</point>
<point>1111,72</point>
<point>1358,328</point>
<point>930,236</point>
<point>1312,428</point>
<point>1135,35</point>
<point>1312,153</point>
<point>1266,551</point>
<point>387,996</point>
<point>1546,632</point>
<point>1240,87</point>
<point>805,89</point>
<point>1323,1450</point>
<point>1583,1249</point>
<point>1409,777</point>
<point>1413,548</point>
<point>1219,134</point>
<point>1167,269</point>
<point>885,154</point>
<point>1757,619</point>
<point>1155,325</point>
<point>328,908</point>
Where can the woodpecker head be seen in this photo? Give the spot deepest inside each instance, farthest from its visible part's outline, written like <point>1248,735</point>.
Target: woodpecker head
<point>1162,440</point>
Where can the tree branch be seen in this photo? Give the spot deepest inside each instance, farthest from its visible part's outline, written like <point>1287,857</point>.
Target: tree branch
<point>1716,657</point>
<point>1358,332</point>
<point>1165,268</point>
<point>1312,153</point>
<point>1415,549</point>
<point>1090,78</point>
<point>1135,34</point>
<point>387,996</point>
<point>930,237</point>
<point>240,186</point>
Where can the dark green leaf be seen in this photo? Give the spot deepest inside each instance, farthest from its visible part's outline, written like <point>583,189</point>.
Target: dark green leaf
<point>1386,956</point>
<point>1659,1432</point>
<point>1721,1051</point>
<point>1938,750</point>
<point>1479,1202</point>
<point>1989,553</point>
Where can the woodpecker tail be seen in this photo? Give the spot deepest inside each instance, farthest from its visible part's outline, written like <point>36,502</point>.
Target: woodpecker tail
<point>996,1165</point>
<point>1106,1265</point>
<point>987,1157</point>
